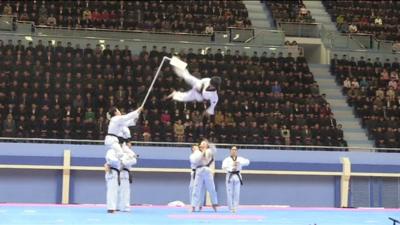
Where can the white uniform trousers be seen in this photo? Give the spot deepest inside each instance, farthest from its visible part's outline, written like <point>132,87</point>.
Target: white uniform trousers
<point>232,190</point>
<point>204,178</point>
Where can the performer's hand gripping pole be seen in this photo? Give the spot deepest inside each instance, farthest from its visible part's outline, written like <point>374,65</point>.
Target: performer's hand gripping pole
<point>174,61</point>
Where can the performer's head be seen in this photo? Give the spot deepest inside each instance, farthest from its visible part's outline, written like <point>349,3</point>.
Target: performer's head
<point>203,145</point>
<point>195,148</point>
<point>234,151</point>
<point>215,82</point>
<point>114,111</point>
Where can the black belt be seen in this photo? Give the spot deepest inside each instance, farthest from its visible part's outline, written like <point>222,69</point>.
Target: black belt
<point>119,173</point>
<point>208,164</point>
<point>121,140</point>
<point>130,174</point>
<point>194,173</point>
<point>237,173</point>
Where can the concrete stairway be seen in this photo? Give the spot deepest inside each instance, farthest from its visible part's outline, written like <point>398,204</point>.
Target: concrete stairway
<point>320,15</point>
<point>259,15</point>
<point>354,134</point>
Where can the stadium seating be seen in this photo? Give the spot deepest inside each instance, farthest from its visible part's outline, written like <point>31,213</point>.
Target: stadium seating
<point>372,88</point>
<point>373,17</point>
<point>165,16</point>
<point>62,91</point>
<point>289,11</point>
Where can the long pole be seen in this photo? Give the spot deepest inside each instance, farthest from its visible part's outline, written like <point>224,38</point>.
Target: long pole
<point>154,80</point>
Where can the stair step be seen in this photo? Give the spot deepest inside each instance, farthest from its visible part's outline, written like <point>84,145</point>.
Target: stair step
<point>352,127</point>
<point>342,109</point>
<point>313,4</point>
<point>361,144</point>
<point>354,134</point>
<point>259,14</point>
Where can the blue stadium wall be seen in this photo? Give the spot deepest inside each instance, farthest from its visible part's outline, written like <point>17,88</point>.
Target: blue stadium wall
<point>44,186</point>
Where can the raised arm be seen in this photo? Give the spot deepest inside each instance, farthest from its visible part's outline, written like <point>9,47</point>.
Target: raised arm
<point>196,157</point>
<point>225,164</point>
<point>127,119</point>
<point>243,161</point>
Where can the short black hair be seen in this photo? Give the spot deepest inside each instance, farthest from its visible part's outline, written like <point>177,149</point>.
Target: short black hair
<point>112,111</point>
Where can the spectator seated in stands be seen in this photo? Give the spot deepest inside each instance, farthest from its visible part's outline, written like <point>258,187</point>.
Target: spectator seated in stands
<point>379,18</point>
<point>289,11</point>
<point>176,16</point>
<point>265,99</point>
<point>373,90</point>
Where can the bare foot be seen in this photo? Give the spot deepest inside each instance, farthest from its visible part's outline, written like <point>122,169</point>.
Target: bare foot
<point>214,207</point>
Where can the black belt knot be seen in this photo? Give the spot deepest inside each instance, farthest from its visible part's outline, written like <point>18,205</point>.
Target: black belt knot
<point>121,140</point>
<point>237,173</point>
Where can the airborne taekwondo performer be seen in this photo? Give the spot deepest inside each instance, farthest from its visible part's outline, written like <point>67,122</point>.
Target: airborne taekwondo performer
<point>202,89</point>
<point>233,165</point>
<point>202,159</point>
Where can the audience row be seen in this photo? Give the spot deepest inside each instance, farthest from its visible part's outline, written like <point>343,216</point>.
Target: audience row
<point>259,94</point>
<point>176,16</point>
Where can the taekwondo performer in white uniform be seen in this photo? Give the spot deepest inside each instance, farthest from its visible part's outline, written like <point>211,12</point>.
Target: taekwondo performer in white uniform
<point>202,89</point>
<point>192,177</point>
<point>128,159</point>
<point>233,165</point>
<point>202,159</point>
<point>118,176</point>
<point>117,123</point>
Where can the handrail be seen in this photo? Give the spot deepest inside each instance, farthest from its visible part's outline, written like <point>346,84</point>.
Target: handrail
<point>305,23</point>
<point>186,144</point>
<point>140,40</point>
<point>119,30</point>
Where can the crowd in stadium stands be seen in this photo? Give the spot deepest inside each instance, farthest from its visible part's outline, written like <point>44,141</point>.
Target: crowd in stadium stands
<point>373,88</point>
<point>175,16</point>
<point>289,11</point>
<point>380,18</point>
<point>61,91</point>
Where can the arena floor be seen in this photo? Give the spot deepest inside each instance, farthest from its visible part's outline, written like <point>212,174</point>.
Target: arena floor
<point>46,214</point>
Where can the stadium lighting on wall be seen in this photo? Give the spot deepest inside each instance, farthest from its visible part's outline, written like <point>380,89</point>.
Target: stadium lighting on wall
<point>273,49</point>
<point>28,38</point>
<point>53,42</point>
<point>101,41</point>
<point>122,40</point>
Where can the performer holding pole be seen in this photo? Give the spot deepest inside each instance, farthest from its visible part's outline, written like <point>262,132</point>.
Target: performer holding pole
<point>117,123</point>
<point>233,165</point>
<point>202,89</point>
<point>118,176</point>
<point>128,159</point>
<point>202,159</point>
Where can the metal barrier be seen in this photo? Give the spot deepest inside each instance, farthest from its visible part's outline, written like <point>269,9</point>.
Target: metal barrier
<point>123,34</point>
<point>136,44</point>
<point>300,29</point>
<point>7,22</point>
